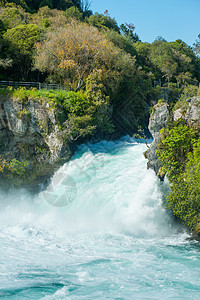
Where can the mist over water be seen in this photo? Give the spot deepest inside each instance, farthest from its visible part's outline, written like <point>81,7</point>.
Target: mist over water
<point>99,231</point>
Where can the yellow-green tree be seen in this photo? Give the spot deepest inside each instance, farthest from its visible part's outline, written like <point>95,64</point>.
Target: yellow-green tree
<point>71,53</point>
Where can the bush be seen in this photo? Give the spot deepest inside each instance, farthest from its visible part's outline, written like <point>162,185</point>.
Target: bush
<point>179,154</point>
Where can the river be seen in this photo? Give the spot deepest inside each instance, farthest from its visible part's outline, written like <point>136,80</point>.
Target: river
<point>100,231</point>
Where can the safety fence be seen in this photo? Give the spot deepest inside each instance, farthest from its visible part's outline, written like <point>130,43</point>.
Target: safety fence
<point>37,85</point>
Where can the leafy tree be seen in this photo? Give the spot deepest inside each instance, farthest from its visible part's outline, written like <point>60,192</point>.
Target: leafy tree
<point>34,5</point>
<point>196,46</point>
<point>73,52</point>
<point>13,17</point>
<point>103,22</point>
<point>127,30</point>
<point>21,41</point>
<point>162,58</point>
<point>85,8</point>
<point>65,4</point>
<point>14,3</point>
<point>143,57</point>
<point>73,13</point>
<point>49,18</point>
<point>121,42</point>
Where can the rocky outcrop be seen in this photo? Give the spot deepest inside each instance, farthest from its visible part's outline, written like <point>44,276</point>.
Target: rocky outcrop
<point>30,133</point>
<point>157,121</point>
<point>190,111</point>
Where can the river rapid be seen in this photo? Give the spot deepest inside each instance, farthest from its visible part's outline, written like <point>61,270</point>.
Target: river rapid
<point>99,231</point>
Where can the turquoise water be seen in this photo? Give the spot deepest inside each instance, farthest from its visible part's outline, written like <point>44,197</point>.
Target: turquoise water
<point>98,232</point>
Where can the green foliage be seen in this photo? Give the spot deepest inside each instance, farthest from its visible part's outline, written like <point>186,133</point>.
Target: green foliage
<point>143,51</point>
<point>196,46</point>
<point>46,23</point>
<point>78,113</point>
<point>121,42</point>
<point>174,64</point>
<point>23,37</point>
<point>18,167</point>
<point>73,13</point>
<point>189,91</point>
<point>13,17</point>
<point>127,30</point>
<point>173,148</point>
<point>181,104</point>
<point>179,154</point>
<point>21,40</point>
<point>184,198</point>
<point>14,167</point>
<point>23,114</point>
<point>103,22</point>
<point>32,6</point>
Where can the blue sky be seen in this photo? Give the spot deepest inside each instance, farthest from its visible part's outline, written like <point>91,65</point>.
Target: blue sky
<point>171,19</point>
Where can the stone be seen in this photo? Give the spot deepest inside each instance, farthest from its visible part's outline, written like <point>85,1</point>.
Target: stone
<point>157,121</point>
<point>192,113</point>
<point>33,137</point>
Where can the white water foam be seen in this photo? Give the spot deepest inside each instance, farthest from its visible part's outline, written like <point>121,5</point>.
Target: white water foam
<point>107,235</point>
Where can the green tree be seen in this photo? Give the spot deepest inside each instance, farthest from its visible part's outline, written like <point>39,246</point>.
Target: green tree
<point>65,4</point>
<point>196,46</point>
<point>103,22</point>
<point>73,13</point>
<point>13,17</point>
<point>21,40</point>
<point>184,197</point>
<point>121,42</point>
<point>128,31</point>
<point>174,147</point>
<point>161,56</point>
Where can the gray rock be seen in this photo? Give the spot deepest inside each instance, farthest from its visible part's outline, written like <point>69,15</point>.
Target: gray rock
<point>29,132</point>
<point>192,114</point>
<point>157,121</point>
<point>178,114</point>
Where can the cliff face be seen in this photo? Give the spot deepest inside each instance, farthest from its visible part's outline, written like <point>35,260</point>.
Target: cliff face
<point>29,132</point>
<point>188,111</point>
<point>157,121</point>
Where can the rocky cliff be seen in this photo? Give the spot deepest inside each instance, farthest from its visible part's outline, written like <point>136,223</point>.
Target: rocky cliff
<point>187,110</point>
<point>157,121</point>
<point>31,144</point>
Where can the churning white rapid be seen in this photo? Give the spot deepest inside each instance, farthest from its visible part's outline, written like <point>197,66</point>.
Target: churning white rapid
<point>99,231</point>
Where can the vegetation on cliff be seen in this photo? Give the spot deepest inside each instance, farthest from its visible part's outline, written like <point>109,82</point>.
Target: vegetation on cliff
<point>43,124</point>
<point>179,155</point>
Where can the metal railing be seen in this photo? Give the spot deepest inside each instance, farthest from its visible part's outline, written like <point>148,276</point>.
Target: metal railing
<point>37,85</point>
